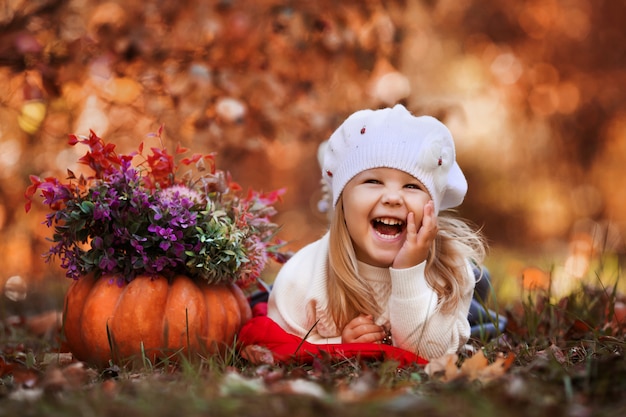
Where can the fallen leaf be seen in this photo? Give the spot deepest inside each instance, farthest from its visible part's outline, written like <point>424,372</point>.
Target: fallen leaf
<point>496,369</point>
<point>258,355</point>
<point>474,368</point>
<point>443,367</point>
<point>57,359</point>
<point>77,374</point>
<point>71,377</point>
<point>474,365</point>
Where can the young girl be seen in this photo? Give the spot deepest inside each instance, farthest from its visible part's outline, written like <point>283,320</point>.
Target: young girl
<point>393,268</point>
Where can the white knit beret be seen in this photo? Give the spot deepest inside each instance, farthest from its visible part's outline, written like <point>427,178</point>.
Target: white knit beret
<point>393,138</point>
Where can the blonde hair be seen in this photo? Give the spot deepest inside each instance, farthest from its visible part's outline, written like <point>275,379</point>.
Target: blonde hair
<point>446,267</point>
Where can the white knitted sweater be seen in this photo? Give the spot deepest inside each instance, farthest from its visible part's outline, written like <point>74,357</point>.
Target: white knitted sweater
<point>298,300</point>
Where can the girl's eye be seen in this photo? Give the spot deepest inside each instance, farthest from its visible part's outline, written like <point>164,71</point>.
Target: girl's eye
<point>414,187</point>
<point>371,181</point>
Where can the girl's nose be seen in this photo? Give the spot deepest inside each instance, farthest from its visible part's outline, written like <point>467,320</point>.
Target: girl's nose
<point>391,197</point>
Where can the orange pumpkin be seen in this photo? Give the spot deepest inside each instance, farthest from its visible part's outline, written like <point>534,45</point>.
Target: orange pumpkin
<point>155,317</point>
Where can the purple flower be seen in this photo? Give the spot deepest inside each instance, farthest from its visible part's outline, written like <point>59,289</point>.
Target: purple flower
<point>108,262</point>
<point>101,212</point>
<point>133,215</point>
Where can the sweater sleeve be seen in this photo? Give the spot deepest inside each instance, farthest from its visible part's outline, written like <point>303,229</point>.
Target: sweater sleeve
<point>298,302</point>
<point>417,324</point>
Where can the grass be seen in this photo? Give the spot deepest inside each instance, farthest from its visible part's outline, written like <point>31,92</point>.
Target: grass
<point>569,360</point>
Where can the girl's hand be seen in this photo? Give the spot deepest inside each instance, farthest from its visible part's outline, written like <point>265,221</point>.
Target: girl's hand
<point>418,242</point>
<point>362,329</point>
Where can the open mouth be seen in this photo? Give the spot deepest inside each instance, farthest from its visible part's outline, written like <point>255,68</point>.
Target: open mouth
<point>388,227</point>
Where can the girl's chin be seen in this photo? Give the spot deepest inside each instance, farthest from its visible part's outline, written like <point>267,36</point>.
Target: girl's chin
<point>380,259</point>
<point>380,251</point>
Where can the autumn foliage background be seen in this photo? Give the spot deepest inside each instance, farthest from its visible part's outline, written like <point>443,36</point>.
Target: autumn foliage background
<point>532,90</point>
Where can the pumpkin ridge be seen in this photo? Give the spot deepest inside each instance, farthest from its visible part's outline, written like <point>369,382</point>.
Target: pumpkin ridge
<point>182,315</point>
<point>73,307</point>
<point>98,311</point>
<point>134,325</point>
<point>115,354</point>
<point>244,305</point>
<point>203,323</point>
<point>225,324</point>
<point>214,298</point>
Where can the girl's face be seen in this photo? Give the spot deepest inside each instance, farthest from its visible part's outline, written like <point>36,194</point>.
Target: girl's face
<point>376,203</point>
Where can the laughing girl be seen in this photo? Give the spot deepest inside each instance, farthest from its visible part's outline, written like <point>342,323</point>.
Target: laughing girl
<point>394,267</point>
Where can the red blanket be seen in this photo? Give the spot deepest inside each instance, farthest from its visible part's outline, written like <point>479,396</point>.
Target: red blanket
<point>287,348</point>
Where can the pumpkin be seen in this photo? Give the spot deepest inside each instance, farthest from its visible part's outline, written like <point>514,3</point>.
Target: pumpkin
<point>150,317</point>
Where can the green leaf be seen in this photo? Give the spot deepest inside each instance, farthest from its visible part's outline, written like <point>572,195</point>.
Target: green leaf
<point>87,207</point>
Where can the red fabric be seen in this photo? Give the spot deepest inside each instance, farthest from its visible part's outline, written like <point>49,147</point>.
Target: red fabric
<point>259,309</point>
<point>288,348</point>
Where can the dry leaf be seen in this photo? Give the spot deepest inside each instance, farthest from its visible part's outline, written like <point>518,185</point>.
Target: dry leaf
<point>71,377</point>
<point>496,369</point>
<point>57,359</point>
<point>77,374</point>
<point>443,367</point>
<point>258,355</point>
<point>475,368</point>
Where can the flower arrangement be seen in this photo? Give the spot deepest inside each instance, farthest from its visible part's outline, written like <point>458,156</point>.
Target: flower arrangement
<point>128,219</point>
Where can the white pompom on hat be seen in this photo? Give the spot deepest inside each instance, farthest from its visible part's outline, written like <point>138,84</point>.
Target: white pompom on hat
<point>393,138</point>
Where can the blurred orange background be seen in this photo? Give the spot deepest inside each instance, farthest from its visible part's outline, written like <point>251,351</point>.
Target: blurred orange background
<point>533,91</point>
